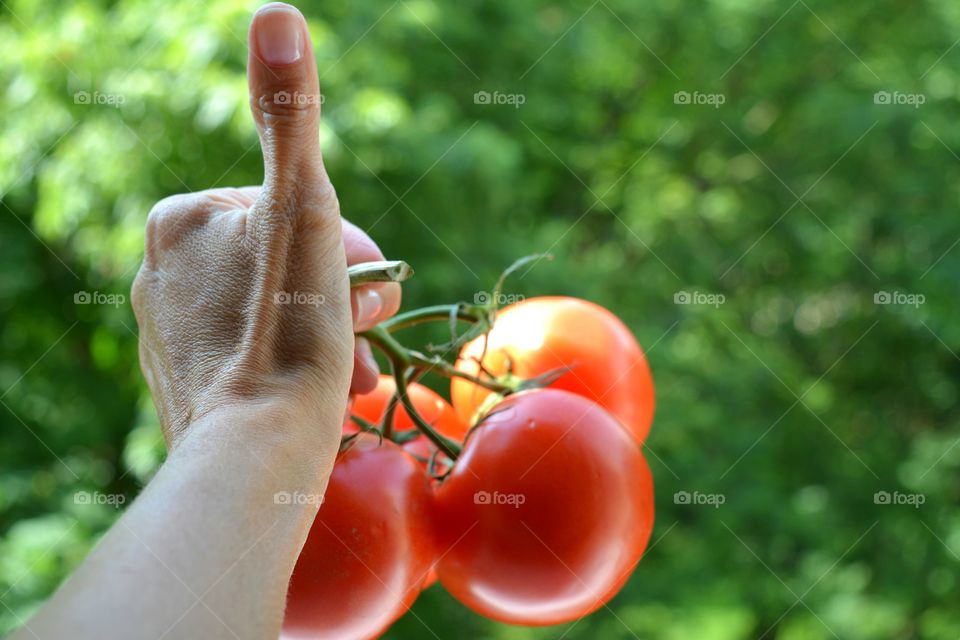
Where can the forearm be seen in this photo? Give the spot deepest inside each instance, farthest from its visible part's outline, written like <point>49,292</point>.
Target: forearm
<point>207,550</point>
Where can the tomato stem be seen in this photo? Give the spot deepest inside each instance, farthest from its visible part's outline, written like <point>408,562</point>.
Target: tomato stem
<point>444,368</point>
<point>408,365</point>
<point>365,425</point>
<point>464,313</point>
<point>380,271</point>
<point>400,359</point>
<point>398,354</point>
<point>386,422</point>
<point>404,357</point>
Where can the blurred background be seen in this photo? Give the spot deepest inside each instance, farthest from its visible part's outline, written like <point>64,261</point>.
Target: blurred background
<point>765,192</point>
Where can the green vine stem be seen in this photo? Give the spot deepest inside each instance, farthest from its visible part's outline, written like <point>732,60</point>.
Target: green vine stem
<point>386,422</point>
<point>397,353</point>
<point>380,271</point>
<point>400,360</point>
<point>408,365</point>
<point>465,313</point>
<point>444,368</point>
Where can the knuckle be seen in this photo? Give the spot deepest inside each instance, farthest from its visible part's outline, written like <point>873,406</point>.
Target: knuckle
<point>156,222</point>
<point>292,109</point>
<point>320,211</point>
<point>163,213</point>
<point>137,293</point>
<point>170,218</point>
<point>312,199</point>
<point>324,196</point>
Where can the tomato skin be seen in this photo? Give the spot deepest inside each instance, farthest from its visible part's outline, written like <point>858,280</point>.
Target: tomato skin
<point>431,406</point>
<point>583,523</point>
<point>379,502</point>
<point>547,333</point>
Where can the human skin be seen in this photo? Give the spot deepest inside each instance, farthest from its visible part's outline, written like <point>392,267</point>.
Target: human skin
<point>246,342</point>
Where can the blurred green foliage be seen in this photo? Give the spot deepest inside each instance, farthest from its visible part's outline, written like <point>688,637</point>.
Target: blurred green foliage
<point>798,199</point>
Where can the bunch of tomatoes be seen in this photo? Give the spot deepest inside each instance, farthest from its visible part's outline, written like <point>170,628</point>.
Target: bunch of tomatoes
<point>526,496</point>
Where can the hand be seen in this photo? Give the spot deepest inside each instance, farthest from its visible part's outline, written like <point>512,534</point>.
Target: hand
<point>242,299</point>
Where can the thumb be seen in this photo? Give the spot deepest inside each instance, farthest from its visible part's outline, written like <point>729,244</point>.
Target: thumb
<point>285,101</point>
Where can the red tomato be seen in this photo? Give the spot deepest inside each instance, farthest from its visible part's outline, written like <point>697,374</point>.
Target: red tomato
<point>369,550</point>
<point>543,334</point>
<point>434,409</point>
<point>422,449</point>
<point>546,513</point>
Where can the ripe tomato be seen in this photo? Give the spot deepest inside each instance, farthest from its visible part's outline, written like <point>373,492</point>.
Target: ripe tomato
<point>543,334</point>
<point>422,449</point>
<point>546,513</point>
<point>369,550</point>
<point>434,409</point>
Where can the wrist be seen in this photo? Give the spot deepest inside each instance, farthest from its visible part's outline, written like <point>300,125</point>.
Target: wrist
<point>275,437</point>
